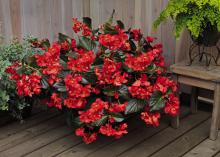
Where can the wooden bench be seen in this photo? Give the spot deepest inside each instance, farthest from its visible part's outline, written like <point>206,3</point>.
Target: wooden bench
<point>198,76</point>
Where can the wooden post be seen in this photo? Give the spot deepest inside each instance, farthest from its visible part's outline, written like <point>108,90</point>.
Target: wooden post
<point>194,99</point>
<point>215,113</point>
<point>175,122</point>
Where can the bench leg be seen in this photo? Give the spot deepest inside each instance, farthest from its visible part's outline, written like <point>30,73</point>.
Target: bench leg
<point>194,100</point>
<point>215,114</point>
<point>175,122</point>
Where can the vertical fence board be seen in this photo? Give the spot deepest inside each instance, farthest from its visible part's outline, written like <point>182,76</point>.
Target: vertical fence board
<point>45,18</point>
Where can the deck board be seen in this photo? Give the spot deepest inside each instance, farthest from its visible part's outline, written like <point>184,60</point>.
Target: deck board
<point>186,142</point>
<point>166,136</point>
<point>46,135</point>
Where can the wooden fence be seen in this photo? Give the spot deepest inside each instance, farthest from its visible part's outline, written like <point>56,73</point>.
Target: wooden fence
<point>45,18</point>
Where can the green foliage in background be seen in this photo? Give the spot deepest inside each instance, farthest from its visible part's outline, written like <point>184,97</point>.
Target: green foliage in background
<point>191,14</point>
<point>14,51</point>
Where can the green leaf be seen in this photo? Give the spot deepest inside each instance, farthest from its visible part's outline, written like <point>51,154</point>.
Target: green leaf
<point>120,24</point>
<point>118,117</point>
<point>60,86</point>
<point>135,105</point>
<point>109,90</point>
<point>87,21</point>
<point>62,37</point>
<point>100,121</point>
<point>44,83</point>
<point>157,101</point>
<point>88,44</point>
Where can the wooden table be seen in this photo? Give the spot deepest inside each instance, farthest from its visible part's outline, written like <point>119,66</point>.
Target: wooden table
<point>198,76</point>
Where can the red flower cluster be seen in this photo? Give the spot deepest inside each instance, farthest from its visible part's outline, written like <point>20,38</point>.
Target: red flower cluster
<point>172,105</point>
<point>82,62</point>
<point>87,137</point>
<point>114,42</point>
<point>50,63</point>
<point>141,62</point>
<point>151,118</point>
<point>76,92</point>
<point>94,113</point>
<point>141,88</point>
<point>79,26</point>
<point>123,76</point>
<point>55,101</point>
<point>163,84</point>
<point>28,85</point>
<point>118,132</point>
<point>111,73</point>
<point>12,71</point>
<point>115,107</point>
<point>136,34</point>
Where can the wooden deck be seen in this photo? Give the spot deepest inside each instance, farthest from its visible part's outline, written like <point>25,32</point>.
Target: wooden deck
<point>45,134</point>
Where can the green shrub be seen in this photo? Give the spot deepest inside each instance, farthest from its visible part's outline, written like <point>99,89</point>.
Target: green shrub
<point>10,53</point>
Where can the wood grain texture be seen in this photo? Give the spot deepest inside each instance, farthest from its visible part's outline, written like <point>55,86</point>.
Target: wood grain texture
<point>45,18</point>
<point>207,148</point>
<point>184,143</point>
<point>150,146</point>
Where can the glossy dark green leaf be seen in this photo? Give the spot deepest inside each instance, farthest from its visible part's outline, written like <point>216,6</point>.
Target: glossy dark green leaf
<point>118,117</point>
<point>120,24</point>
<point>157,101</point>
<point>60,86</point>
<point>44,83</point>
<point>101,121</point>
<point>62,37</point>
<point>135,105</point>
<point>87,21</point>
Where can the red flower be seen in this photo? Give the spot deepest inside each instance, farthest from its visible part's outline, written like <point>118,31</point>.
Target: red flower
<point>151,118</point>
<point>163,84</point>
<point>111,73</point>
<point>77,26</point>
<point>12,71</point>
<point>141,62</point>
<point>73,43</point>
<point>136,34</point>
<point>150,39</point>
<point>29,85</point>
<point>172,105</point>
<point>77,103</point>
<point>82,62</point>
<point>118,107</point>
<point>94,113</point>
<point>118,132</point>
<point>55,101</point>
<point>88,138</point>
<point>65,46</point>
<point>113,42</point>
<point>75,89</point>
<point>141,88</point>
<point>50,62</point>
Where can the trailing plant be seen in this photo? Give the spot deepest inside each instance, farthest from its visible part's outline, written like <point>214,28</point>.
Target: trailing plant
<point>195,15</point>
<point>13,53</point>
<point>100,78</point>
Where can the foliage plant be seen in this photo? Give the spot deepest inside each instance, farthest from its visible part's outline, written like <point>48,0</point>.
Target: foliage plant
<point>195,15</point>
<point>100,78</point>
<point>12,53</point>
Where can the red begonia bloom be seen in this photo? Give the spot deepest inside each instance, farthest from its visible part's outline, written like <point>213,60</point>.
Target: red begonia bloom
<point>55,101</point>
<point>141,88</point>
<point>82,62</point>
<point>172,105</point>
<point>151,118</point>
<point>111,73</point>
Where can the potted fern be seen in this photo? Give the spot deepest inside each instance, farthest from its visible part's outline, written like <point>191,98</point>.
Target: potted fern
<point>201,18</point>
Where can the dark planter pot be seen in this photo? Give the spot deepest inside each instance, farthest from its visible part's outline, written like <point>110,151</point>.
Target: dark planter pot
<point>209,37</point>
